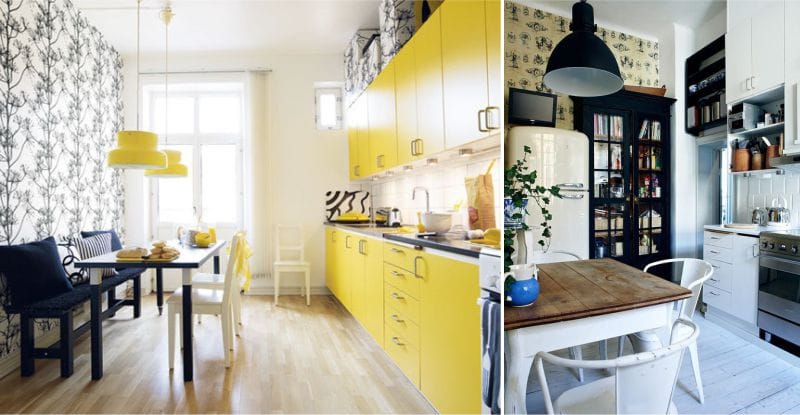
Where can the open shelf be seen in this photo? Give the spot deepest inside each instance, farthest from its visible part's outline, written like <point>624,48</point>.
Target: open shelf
<point>761,172</point>
<point>703,89</point>
<point>761,131</point>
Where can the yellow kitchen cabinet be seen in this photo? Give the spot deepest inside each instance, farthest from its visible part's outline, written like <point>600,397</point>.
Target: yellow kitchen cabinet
<point>358,139</point>
<point>430,101</point>
<point>344,253</point>
<point>382,121</point>
<point>450,364</point>
<point>373,288</point>
<point>464,72</point>
<point>352,141</point>
<point>332,236</point>
<point>355,279</point>
<point>494,63</point>
<point>406,98</point>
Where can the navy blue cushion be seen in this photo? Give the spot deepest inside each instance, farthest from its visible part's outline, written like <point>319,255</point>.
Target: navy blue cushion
<point>33,272</point>
<point>116,245</point>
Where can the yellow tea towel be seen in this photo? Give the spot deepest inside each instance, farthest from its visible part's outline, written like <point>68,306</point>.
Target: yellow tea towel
<point>242,262</point>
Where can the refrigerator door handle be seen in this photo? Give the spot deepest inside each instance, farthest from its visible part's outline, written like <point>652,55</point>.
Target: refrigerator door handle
<point>572,195</point>
<point>570,185</point>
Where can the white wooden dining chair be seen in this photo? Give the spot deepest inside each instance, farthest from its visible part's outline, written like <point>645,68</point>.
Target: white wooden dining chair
<point>694,273</point>
<point>290,257</point>
<point>207,301</point>
<point>642,383</point>
<point>217,282</point>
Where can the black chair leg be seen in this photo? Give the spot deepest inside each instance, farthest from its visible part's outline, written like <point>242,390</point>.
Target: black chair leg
<point>27,366</point>
<point>137,296</point>
<point>66,344</point>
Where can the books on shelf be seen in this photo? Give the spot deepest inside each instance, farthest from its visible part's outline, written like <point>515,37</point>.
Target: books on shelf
<point>608,127</point>
<point>651,130</point>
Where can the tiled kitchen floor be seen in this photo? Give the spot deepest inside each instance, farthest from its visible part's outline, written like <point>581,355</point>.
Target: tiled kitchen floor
<point>738,377</point>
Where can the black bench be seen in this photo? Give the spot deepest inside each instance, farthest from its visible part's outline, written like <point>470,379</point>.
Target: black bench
<point>61,307</point>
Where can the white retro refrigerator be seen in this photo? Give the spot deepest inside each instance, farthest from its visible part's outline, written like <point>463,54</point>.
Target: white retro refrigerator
<point>561,158</point>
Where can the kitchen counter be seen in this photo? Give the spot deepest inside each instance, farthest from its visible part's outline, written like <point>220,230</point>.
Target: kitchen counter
<point>750,232</point>
<point>459,247</point>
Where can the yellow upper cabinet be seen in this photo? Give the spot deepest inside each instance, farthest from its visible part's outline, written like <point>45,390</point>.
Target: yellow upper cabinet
<point>406,93</point>
<point>465,78</point>
<point>352,142</point>
<point>382,121</point>
<point>494,64</point>
<point>430,103</point>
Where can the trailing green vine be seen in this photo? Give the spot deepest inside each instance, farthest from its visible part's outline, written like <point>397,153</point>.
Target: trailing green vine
<point>520,187</point>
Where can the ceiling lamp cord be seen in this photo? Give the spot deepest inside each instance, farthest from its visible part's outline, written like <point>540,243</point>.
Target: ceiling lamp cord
<point>138,57</point>
<point>166,16</point>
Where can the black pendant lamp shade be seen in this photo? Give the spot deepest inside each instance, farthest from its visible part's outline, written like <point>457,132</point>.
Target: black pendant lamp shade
<point>581,64</point>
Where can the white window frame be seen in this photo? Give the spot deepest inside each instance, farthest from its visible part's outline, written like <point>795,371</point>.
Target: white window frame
<point>197,139</point>
<point>337,92</point>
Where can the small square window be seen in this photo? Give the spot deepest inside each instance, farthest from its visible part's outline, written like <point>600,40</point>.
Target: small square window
<point>328,103</point>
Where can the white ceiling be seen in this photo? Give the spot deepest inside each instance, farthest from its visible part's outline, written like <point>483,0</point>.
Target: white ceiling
<point>273,26</point>
<point>644,18</point>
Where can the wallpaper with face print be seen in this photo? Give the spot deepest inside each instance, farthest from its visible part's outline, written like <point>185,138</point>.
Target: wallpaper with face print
<point>531,35</point>
<point>60,106</point>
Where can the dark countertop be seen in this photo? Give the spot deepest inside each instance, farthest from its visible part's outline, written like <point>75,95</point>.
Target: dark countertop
<point>441,243</point>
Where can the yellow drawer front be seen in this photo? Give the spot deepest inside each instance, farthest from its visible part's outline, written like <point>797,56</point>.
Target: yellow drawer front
<point>396,299</point>
<point>402,279</point>
<point>404,354</point>
<point>402,325</point>
<point>399,256</point>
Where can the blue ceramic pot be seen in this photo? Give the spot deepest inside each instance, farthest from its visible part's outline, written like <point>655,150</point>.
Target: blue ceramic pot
<point>522,293</point>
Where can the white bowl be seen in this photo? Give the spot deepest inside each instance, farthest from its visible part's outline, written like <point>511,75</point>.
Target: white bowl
<point>437,222</point>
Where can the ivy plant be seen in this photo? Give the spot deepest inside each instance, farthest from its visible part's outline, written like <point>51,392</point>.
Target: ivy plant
<point>520,187</point>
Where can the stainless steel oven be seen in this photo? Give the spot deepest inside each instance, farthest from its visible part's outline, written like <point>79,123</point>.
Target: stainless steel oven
<point>779,295</point>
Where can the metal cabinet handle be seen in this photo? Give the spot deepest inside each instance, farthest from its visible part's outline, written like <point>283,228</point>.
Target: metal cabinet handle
<point>413,147</point>
<point>712,293</point>
<point>379,161</point>
<point>747,84</point>
<point>416,273</point>
<point>714,266</point>
<point>397,251</point>
<point>714,279</point>
<point>347,241</point>
<point>361,247</point>
<point>397,296</point>
<point>753,82</point>
<point>489,115</point>
<point>571,196</point>
<point>397,319</point>
<point>357,171</point>
<point>713,251</point>
<point>481,118</point>
<point>397,274</point>
<point>333,236</point>
<point>420,147</point>
<point>396,340</point>
<point>715,238</point>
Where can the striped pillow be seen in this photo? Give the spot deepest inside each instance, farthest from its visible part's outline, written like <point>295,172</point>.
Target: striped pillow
<point>93,246</point>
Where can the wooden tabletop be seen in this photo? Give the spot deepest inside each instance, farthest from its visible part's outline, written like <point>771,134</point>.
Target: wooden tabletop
<point>190,258</point>
<point>578,289</point>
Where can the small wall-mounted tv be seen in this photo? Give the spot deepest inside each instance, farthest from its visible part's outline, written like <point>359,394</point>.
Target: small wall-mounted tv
<point>531,108</point>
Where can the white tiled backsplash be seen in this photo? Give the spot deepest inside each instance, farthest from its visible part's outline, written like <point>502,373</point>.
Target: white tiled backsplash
<point>760,191</point>
<point>445,182</point>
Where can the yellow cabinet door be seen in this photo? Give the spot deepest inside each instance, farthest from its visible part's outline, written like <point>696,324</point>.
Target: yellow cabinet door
<point>406,97</point>
<point>355,276</point>
<point>347,242</point>
<point>382,121</point>
<point>373,292</point>
<point>450,361</point>
<point>352,141</point>
<point>331,256</point>
<point>494,64</point>
<point>430,101</point>
<point>364,165</point>
<point>464,71</point>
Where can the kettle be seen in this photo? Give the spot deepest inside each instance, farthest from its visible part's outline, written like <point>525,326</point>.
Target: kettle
<point>779,214</point>
<point>394,219</point>
<point>759,216</point>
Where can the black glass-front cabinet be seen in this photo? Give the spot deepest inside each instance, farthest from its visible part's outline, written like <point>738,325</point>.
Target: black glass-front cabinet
<point>629,159</point>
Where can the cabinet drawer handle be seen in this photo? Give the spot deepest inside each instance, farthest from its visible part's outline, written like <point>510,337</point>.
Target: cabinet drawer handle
<point>397,274</point>
<point>714,266</point>
<point>397,296</point>
<point>379,160</point>
<point>347,241</point>
<point>712,293</point>
<point>397,251</point>
<point>713,251</point>
<point>489,114</point>
<point>715,237</point>
<point>397,319</point>
<point>333,236</point>
<point>416,273</point>
<point>481,118</point>
<point>714,279</point>
<point>420,147</point>
<point>396,340</point>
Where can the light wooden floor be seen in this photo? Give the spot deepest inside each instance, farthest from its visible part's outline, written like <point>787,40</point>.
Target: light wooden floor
<point>289,358</point>
<point>738,377</point>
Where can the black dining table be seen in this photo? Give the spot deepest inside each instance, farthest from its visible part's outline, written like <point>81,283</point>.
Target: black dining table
<point>191,258</point>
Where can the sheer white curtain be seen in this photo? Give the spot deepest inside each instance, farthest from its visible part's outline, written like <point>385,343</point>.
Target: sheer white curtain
<point>258,203</point>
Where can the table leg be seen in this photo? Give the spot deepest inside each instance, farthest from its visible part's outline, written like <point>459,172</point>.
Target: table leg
<point>188,360</point>
<point>160,289</point>
<point>518,369</point>
<point>216,264</point>
<point>95,279</point>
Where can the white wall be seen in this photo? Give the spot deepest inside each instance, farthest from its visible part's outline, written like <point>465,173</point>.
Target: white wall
<point>301,164</point>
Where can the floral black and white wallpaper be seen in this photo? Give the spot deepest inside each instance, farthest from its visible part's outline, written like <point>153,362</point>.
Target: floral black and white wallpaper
<point>530,36</point>
<point>60,108</point>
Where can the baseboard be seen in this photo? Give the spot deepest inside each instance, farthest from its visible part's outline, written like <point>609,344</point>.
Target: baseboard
<point>287,291</point>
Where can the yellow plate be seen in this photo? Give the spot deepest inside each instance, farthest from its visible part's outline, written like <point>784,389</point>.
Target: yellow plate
<point>146,260</point>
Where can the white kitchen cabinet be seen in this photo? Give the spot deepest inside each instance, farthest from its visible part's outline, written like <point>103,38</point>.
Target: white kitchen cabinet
<point>733,288</point>
<point>754,49</point>
<point>792,87</point>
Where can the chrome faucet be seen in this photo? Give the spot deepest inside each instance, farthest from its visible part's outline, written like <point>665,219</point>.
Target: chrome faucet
<point>427,197</point>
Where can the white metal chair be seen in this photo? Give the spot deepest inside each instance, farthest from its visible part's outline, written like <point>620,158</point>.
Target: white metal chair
<point>217,282</point>
<point>285,261</point>
<point>642,383</point>
<point>207,301</point>
<point>694,274</point>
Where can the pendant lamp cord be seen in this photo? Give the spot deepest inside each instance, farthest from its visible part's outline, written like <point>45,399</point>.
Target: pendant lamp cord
<point>138,55</point>
<point>166,16</point>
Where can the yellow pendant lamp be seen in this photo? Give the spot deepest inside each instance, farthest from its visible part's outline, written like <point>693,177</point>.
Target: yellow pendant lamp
<point>174,167</point>
<point>137,149</point>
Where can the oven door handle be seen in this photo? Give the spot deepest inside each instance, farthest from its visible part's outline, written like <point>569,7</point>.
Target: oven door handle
<point>779,264</point>
<point>755,250</point>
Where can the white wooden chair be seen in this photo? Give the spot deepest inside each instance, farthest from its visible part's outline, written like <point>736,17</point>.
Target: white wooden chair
<point>217,282</point>
<point>642,383</point>
<point>694,274</point>
<point>290,257</point>
<point>207,301</point>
